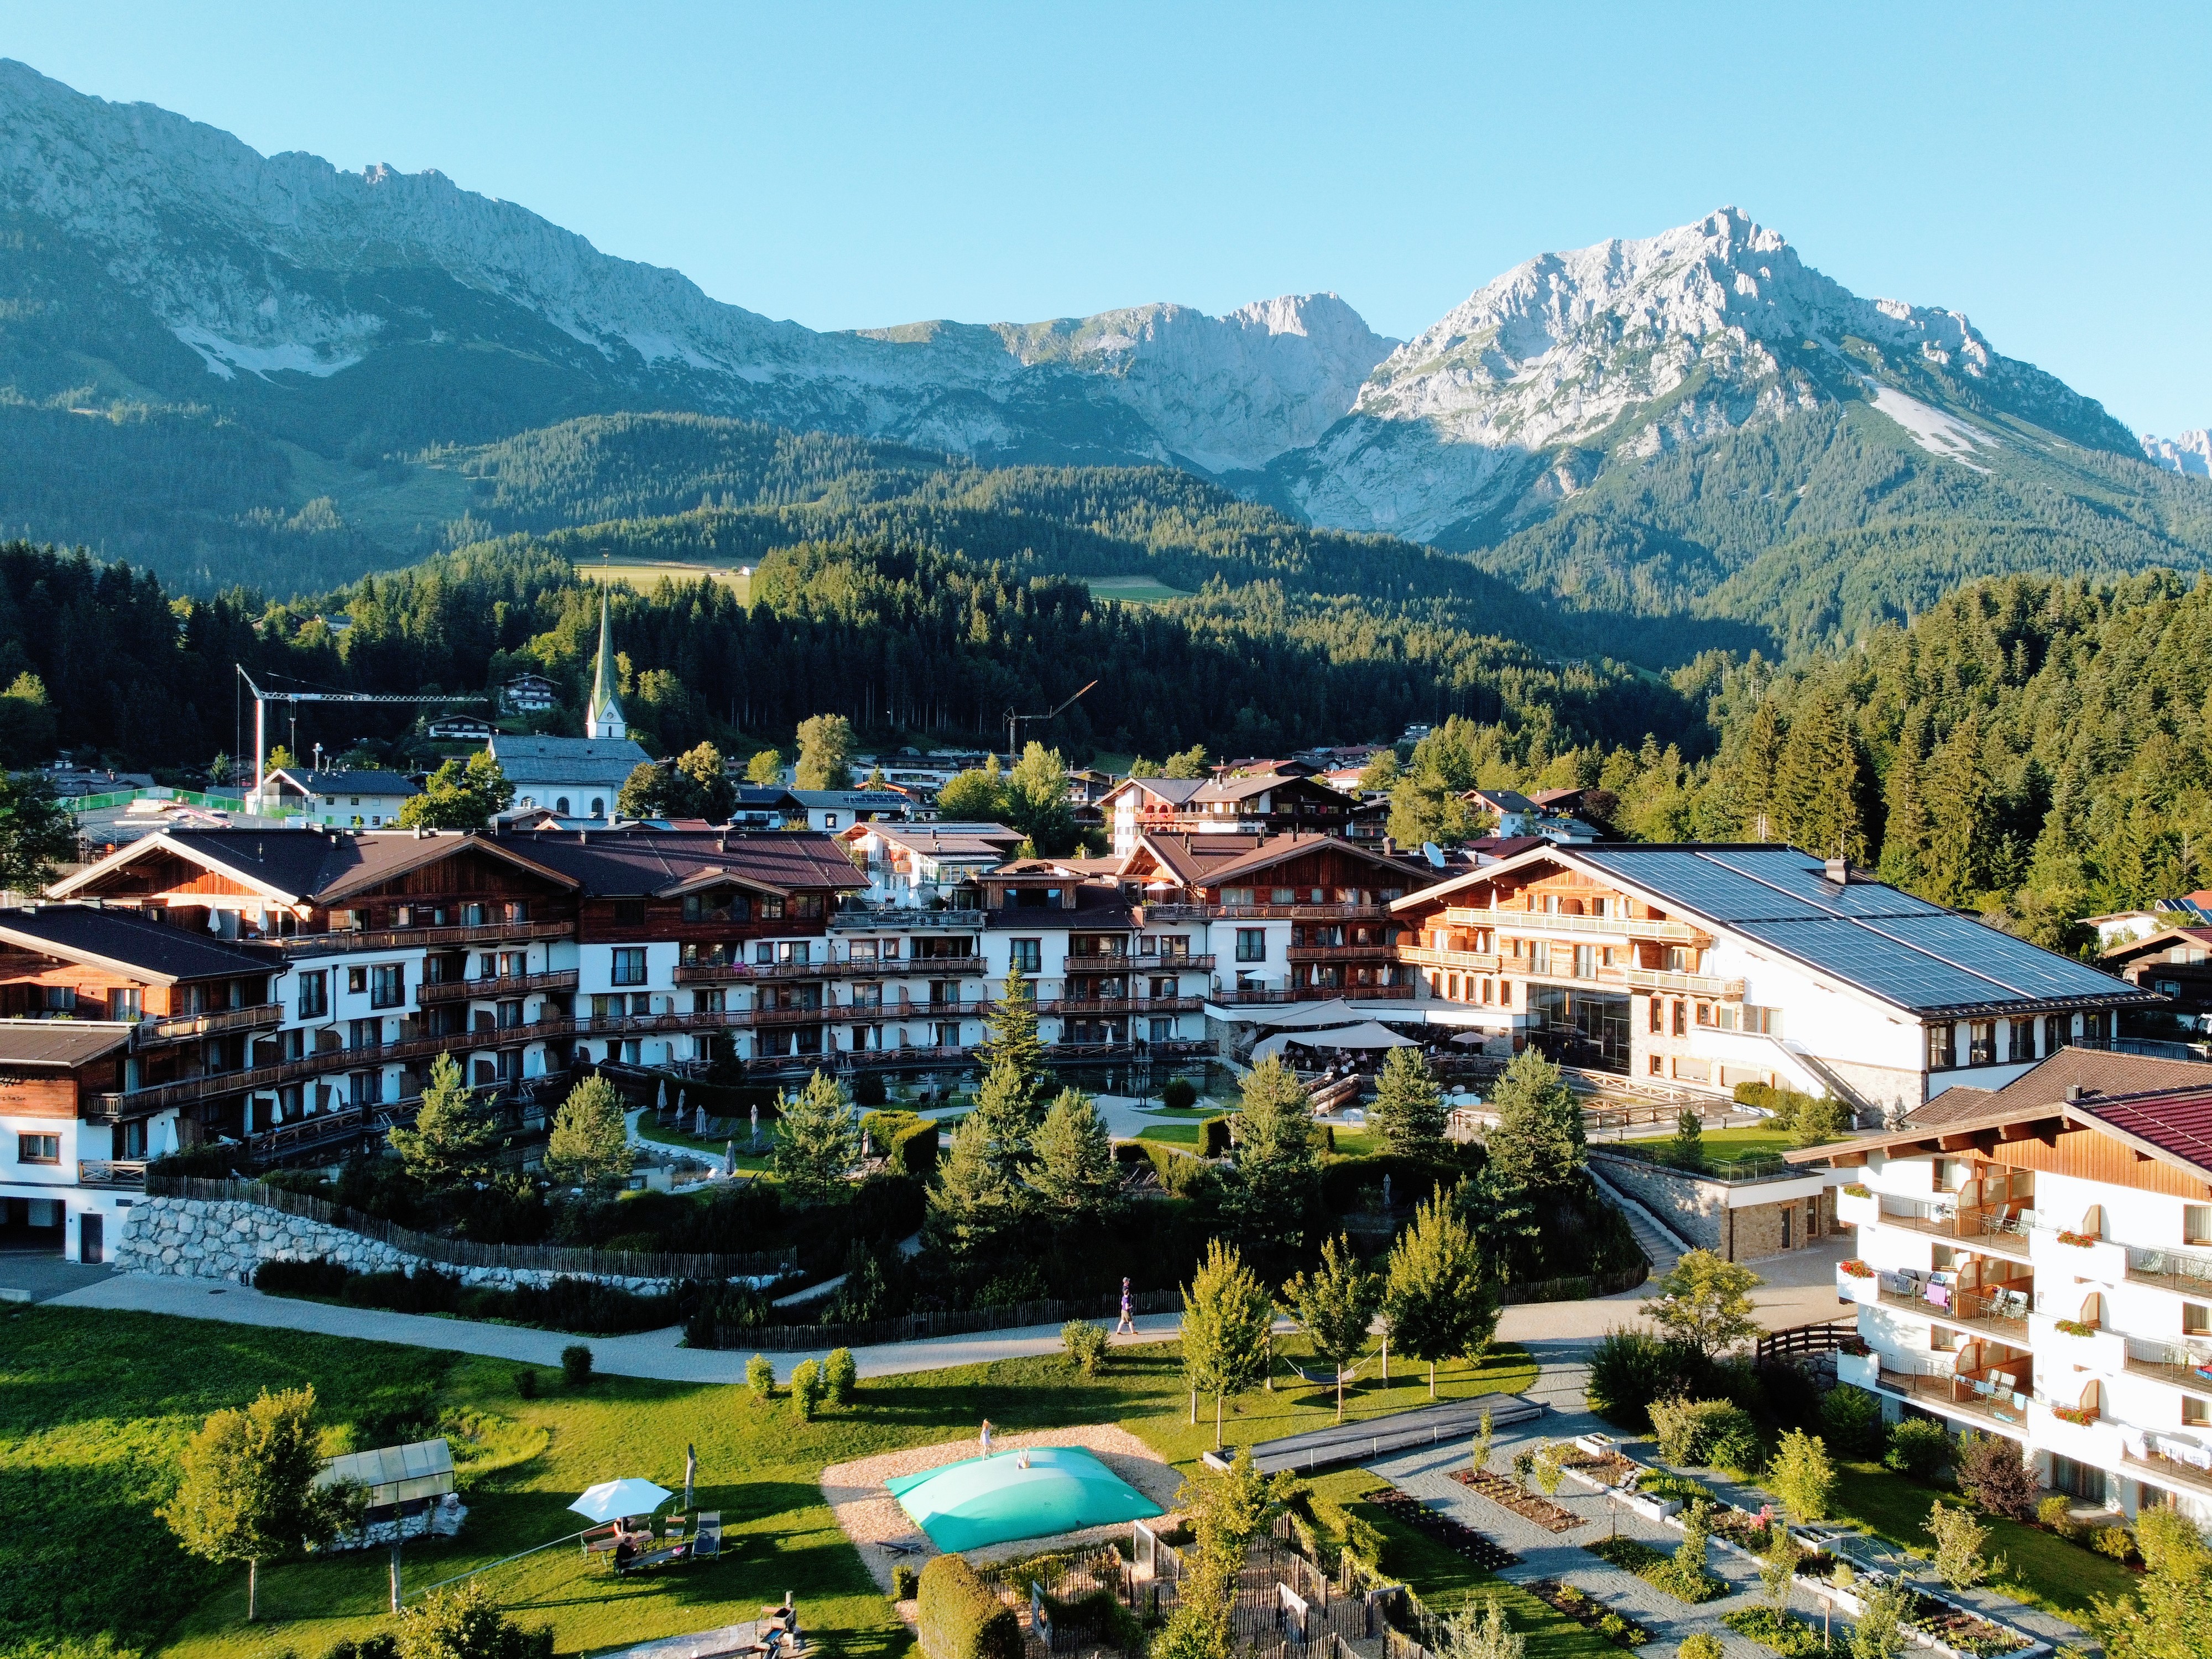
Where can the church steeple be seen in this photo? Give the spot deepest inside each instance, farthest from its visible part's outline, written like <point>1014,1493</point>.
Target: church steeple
<point>603,715</point>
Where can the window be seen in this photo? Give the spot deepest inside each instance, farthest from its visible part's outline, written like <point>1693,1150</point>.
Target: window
<point>1284,896</point>
<point>807,905</point>
<point>1681,1018</point>
<point>829,820</point>
<point>38,1149</point>
<point>125,1002</point>
<point>314,998</point>
<point>356,981</point>
<point>771,909</point>
<point>1705,1014</point>
<point>1941,1052</point>
<point>1585,962</point>
<point>387,985</point>
<point>707,1002</point>
<point>560,806</point>
<point>722,906</point>
<point>1236,896</point>
<point>629,965</point>
<point>599,806</point>
<point>1982,1042</point>
<point>2196,1223</point>
<point>1539,955</point>
<point>1251,945</point>
<point>2023,1040</point>
<point>2195,1413</point>
<point>2196,1319</point>
<point>1027,954</point>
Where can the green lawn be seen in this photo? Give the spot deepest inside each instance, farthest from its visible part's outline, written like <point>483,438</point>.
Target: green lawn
<point>706,1146</point>
<point>2043,1569</point>
<point>93,1406</point>
<point>1723,1144</point>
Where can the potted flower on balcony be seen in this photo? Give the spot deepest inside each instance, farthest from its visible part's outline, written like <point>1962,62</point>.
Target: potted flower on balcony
<point>2082,1241</point>
<point>1855,1269</point>
<point>2075,1326</point>
<point>1858,1189</point>
<point>2082,1416</point>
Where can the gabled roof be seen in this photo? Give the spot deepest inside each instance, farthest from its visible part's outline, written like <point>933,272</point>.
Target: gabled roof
<point>2094,1072</point>
<point>1503,801</point>
<point>128,943</point>
<point>858,800</point>
<point>1171,791</point>
<point>62,1044</point>
<point>992,841</point>
<point>2161,941</point>
<point>1900,950</point>
<point>362,782</point>
<point>1188,857</point>
<point>531,761</point>
<point>1276,849</point>
<point>646,863</point>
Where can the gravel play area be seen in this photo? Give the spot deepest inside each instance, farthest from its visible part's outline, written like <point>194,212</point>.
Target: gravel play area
<point>872,1517</point>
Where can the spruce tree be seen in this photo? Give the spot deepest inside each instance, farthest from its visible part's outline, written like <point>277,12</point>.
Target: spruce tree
<point>815,1140</point>
<point>1539,1141</point>
<point>1409,1106</point>
<point>974,1208</point>
<point>1906,829</point>
<point>1075,1175</point>
<point>1960,832</point>
<point>1006,1117</point>
<point>451,1133</point>
<point>1277,1167</point>
<point>1817,783</point>
<point>590,1144</point>
<point>1012,1041</point>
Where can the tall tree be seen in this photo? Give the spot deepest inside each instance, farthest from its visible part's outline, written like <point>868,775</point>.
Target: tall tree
<point>1007,1118</point>
<point>765,769</point>
<point>1706,1300</point>
<point>590,1144</point>
<point>825,752</point>
<point>1906,829</point>
<point>1277,1165</point>
<point>1334,1305</point>
<point>459,795</point>
<point>1010,1040</point>
<point>247,1489</point>
<point>708,793</point>
<point>1037,795</point>
<point>974,1208</point>
<point>451,1134</point>
<point>1190,764</point>
<point>1075,1173</point>
<point>1817,783</point>
<point>816,1141</point>
<point>1227,1315</point>
<point>1409,1106</point>
<point>1539,1141</point>
<point>1437,1302</point>
<point>35,834</point>
<point>1961,832</point>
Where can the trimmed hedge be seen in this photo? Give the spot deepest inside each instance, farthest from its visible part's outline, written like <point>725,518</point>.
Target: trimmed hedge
<point>909,1140</point>
<point>1213,1136</point>
<point>960,1619</point>
<point>563,1304</point>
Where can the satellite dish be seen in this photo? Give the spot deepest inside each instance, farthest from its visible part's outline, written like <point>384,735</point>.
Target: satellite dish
<point>1433,853</point>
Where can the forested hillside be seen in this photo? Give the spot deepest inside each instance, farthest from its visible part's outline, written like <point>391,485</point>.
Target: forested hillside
<point>2035,749</point>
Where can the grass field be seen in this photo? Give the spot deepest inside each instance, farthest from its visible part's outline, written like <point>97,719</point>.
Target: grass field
<point>641,576</point>
<point>1133,590</point>
<point>93,1406</point>
<point>1723,1144</point>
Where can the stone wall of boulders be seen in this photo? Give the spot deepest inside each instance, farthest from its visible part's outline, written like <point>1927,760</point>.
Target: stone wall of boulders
<point>227,1238</point>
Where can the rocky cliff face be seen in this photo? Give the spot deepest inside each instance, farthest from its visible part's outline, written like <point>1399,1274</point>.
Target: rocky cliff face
<point>2190,452</point>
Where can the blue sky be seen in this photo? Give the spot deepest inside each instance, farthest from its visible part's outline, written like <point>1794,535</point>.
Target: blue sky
<point>2041,169</point>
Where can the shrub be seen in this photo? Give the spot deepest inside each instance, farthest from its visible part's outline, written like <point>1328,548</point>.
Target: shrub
<point>1612,1626</point>
<point>1850,1421</point>
<point>1213,1136</point>
<point>2057,1513</point>
<point>1777,1631</point>
<point>1629,1369</point>
<point>908,1141</point>
<point>840,1375</point>
<point>960,1619</point>
<point>2113,1541</point>
<point>1993,1471</point>
<point>1179,1095</point>
<point>868,1090</point>
<point>1802,1477</point>
<point>525,1382</point>
<point>1700,1644</point>
<point>1919,1447</point>
<point>1959,1540</point>
<point>905,1582</point>
<point>807,1388</point>
<point>1085,1344</point>
<point>1697,1433</point>
<point>760,1377</point>
<point>2169,1541</point>
<point>576,1366</point>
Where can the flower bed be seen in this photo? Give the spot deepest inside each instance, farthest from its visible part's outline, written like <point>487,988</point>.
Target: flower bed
<point>1658,1569</point>
<point>1463,1540</point>
<point>1855,1269</point>
<point>1590,1614</point>
<point>1777,1631</point>
<point>1742,1529</point>
<point>1528,1505</point>
<point>1658,1483</point>
<point>1612,1469</point>
<point>1960,1630</point>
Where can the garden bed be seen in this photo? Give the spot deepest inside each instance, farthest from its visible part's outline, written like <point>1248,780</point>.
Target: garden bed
<point>1960,1631</point>
<point>1779,1630</point>
<point>1463,1540</point>
<point>1528,1505</point>
<point>1590,1613</point>
<point>1659,1569</point>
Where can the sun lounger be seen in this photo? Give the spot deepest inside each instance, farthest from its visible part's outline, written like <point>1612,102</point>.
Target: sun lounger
<point>706,1542</point>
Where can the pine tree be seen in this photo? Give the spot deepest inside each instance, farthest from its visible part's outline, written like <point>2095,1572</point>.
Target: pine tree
<point>1333,1306</point>
<point>1758,762</point>
<point>1959,842</point>
<point>1075,1175</point>
<point>1012,1041</point>
<point>589,1143</point>
<point>815,1140</point>
<point>974,1208</point>
<point>1906,829</point>
<point>1227,1315</point>
<point>1005,1116</point>
<point>1437,1302</point>
<point>1277,1167</point>
<point>1539,1141</point>
<point>1817,783</point>
<point>452,1132</point>
<point>1409,1106</point>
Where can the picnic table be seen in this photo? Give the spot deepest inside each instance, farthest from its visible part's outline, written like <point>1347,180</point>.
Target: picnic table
<point>657,1544</point>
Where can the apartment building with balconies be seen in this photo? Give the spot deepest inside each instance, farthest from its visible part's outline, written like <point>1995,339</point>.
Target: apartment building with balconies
<point>2044,1272</point>
<point>1708,966</point>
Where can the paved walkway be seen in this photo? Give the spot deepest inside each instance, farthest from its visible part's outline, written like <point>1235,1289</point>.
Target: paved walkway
<point>42,1275</point>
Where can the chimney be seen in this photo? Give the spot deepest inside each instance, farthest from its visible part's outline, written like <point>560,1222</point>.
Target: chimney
<point>2075,1091</point>
<point>1839,871</point>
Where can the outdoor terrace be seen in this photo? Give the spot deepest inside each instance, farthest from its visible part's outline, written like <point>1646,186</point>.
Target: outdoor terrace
<point>1994,1231</point>
<point>2172,1363</point>
<point>1424,956</point>
<point>2183,1271</point>
<point>411,939</point>
<point>1696,985</point>
<point>183,1028</point>
<point>741,973</point>
<point>1954,1396</point>
<point>1541,921</point>
<point>504,985</point>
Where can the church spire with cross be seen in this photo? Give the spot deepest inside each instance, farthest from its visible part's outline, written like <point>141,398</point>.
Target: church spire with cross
<point>603,716</point>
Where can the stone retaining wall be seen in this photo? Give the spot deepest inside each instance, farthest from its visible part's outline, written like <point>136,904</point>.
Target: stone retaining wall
<point>204,1238</point>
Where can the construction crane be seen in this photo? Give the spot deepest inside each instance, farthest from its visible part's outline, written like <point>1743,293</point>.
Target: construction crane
<point>1014,721</point>
<point>263,699</point>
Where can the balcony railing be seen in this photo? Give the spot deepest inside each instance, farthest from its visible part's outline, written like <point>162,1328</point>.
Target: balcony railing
<point>893,917</point>
<point>1427,956</point>
<point>110,1172</point>
<point>1301,912</point>
<point>1110,963</point>
<point>2180,1366</point>
<point>1979,1310</point>
<point>1539,922</point>
<point>1696,985</point>
<point>1149,913</point>
<point>506,985</point>
<point>408,938</point>
<point>2170,1270</point>
<point>183,1028</point>
<point>1993,1232</point>
<point>1239,996</point>
<point>1131,1005</point>
<point>1955,1396</point>
<point>2169,1472</point>
<point>739,973</point>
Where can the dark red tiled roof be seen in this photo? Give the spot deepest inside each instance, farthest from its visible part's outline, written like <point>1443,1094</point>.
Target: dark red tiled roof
<point>2177,1121</point>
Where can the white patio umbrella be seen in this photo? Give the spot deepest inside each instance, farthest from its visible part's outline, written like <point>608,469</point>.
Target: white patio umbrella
<point>613,1500</point>
<point>660,1101</point>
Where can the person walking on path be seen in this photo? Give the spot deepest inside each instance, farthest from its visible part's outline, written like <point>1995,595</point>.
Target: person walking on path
<point>1129,1326</point>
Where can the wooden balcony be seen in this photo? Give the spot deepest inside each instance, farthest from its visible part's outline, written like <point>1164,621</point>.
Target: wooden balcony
<point>1239,997</point>
<point>184,1027</point>
<point>1993,1232</point>
<point>1426,955</point>
<point>1540,921</point>
<point>1106,964</point>
<point>741,973</point>
<point>110,1172</point>
<point>1695,985</point>
<point>1151,914</point>
<point>411,939</point>
<point>1301,912</point>
<point>1376,952</point>
<point>899,917</point>
<point>506,985</point>
<point>1117,1006</point>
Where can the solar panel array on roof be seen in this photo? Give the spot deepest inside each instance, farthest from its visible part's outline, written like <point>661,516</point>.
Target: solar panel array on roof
<point>1891,970</point>
<point>2014,962</point>
<point>1701,885</point>
<point>1798,876</point>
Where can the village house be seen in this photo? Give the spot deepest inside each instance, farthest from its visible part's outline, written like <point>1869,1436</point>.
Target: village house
<point>2175,962</point>
<point>1273,802</point>
<point>1708,966</point>
<point>364,799</point>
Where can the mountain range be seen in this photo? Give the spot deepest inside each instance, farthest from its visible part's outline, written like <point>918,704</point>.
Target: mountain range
<point>230,365</point>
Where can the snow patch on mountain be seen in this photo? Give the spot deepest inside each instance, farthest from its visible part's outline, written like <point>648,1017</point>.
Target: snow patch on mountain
<point>2190,452</point>
<point>1935,430</point>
